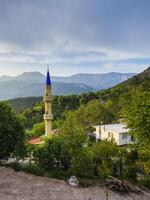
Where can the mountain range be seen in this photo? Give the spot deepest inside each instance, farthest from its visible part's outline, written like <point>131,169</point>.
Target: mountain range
<point>32,84</point>
<point>126,88</point>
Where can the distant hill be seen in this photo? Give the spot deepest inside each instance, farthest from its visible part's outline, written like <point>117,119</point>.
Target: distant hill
<point>141,80</point>
<point>32,84</point>
<point>13,89</point>
<point>96,81</point>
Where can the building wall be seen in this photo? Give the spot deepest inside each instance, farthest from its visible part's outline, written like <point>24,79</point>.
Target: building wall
<point>123,141</point>
<point>109,135</point>
<point>48,116</point>
<point>119,138</point>
<point>97,132</point>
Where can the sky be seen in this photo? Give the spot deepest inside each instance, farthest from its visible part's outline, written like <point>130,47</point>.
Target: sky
<point>74,36</point>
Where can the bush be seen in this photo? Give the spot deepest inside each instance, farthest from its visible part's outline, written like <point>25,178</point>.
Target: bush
<point>146,181</point>
<point>34,169</point>
<point>12,135</point>
<point>37,130</point>
<point>105,154</point>
<point>53,153</point>
<point>82,164</point>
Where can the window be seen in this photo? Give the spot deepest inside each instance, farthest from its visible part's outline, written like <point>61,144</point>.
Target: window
<point>124,135</point>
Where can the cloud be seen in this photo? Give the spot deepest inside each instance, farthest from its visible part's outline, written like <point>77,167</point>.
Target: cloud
<point>68,32</point>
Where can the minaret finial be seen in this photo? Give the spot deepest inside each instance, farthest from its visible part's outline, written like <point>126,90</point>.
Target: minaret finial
<point>48,79</point>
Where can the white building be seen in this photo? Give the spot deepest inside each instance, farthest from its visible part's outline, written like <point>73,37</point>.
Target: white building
<point>117,132</point>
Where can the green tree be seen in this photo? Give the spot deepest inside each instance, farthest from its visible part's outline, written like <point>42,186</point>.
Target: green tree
<point>143,161</point>
<point>12,134</point>
<point>53,153</point>
<point>82,163</point>
<point>75,133</point>
<point>137,116</point>
<point>37,130</point>
<point>105,155</point>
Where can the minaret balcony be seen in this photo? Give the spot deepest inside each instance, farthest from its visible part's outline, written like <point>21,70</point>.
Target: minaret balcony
<point>48,117</point>
<point>48,98</point>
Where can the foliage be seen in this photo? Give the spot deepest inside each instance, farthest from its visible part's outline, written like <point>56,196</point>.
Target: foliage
<point>82,163</point>
<point>54,152</point>
<point>12,134</point>
<point>22,103</point>
<point>146,181</point>
<point>137,116</point>
<point>105,154</point>
<point>37,130</point>
<point>33,168</point>
<point>33,115</point>
<point>143,161</point>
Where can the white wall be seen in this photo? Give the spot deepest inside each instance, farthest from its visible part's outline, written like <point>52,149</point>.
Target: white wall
<point>97,132</point>
<point>109,135</point>
<point>102,134</point>
<point>123,141</point>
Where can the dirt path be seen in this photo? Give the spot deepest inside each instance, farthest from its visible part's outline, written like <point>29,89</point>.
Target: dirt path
<point>22,186</point>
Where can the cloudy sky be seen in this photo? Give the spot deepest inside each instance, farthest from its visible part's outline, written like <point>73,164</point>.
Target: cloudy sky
<point>72,36</point>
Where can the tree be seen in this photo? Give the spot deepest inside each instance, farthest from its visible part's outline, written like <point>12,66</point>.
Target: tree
<point>105,155</point>
<point>95,112</point>
<point>137,116</point>
<point>143,162</point>
<point>12,134</point>
<point>53,153</point>
<point>75,133</point>
<point>37,130</point>
<point>82,163</point>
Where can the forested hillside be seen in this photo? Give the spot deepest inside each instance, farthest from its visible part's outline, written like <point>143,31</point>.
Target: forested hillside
<point>24,102</point>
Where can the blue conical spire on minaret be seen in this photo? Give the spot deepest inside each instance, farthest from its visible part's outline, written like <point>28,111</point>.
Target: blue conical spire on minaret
<point>48,79</point>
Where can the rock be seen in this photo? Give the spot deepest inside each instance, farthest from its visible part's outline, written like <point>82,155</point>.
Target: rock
<point>8,161</point>
<point>73,181</point>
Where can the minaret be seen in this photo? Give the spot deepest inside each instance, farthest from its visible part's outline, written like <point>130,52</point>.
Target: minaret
<point>48,116</point>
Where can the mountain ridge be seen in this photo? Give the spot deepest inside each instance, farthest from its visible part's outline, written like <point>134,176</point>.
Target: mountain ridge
<point>114,93</point>
<point>32,84</point>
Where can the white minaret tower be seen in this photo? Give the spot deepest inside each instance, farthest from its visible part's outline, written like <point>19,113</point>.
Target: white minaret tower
<point>48,116</point>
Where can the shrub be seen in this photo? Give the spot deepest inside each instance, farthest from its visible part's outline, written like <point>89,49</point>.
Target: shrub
<point>53,153</point>
<point>37,130</point>
<point>82,164</point>
<point>12,135</point>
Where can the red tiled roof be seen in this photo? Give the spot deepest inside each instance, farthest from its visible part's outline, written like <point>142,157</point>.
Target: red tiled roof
<point>35,141</point>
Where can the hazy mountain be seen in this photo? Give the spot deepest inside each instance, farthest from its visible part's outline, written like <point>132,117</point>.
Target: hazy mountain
<point>26,76</point>
<point>14,89</point>
<point>141,80</point>
<point>32,84</point>
<point>96,81</point>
